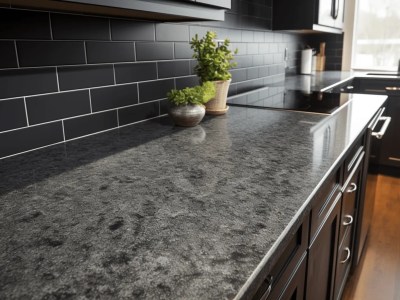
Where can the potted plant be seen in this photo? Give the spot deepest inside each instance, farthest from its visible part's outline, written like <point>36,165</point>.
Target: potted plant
<point>214,60</point>
<point>188,104</point>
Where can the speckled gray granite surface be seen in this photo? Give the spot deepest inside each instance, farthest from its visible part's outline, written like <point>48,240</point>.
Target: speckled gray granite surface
<point>157,212</point>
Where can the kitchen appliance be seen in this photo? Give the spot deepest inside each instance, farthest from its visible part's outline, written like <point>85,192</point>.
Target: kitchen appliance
<point>376,130</point>
<point>277,97</point>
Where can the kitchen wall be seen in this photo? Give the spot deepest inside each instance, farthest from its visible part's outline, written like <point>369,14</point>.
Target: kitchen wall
<point>66,76</point>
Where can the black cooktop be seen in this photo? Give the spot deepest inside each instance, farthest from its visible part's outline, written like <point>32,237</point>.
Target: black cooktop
<point>277,97</point>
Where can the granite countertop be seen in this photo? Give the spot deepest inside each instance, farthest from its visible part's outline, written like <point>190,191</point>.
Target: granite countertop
<point>153,211</point>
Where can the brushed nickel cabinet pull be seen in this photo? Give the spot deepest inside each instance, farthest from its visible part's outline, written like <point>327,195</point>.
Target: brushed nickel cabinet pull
<point>350,220</point>
<point>353,188</point>
<point>385,125</point>
<point>347,249</point>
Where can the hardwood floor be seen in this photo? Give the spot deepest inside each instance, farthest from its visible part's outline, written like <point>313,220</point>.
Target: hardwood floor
<point>378,274</point>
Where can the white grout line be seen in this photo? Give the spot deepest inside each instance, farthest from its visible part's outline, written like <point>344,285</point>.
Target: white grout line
<point>31,150</point>
<point>26,112</point>
<point>58,81</point>
<point>117,118</point>
<point>63,129</point>
<point>115,82</point>
<point>90,101</point>
<point>16,53</point>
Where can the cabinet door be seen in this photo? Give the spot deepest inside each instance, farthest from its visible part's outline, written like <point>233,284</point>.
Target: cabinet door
<point>295,288</point>
<point>325,13</point>
<point>322,256</point>
<point>218,3</point>
<point>390,147</point>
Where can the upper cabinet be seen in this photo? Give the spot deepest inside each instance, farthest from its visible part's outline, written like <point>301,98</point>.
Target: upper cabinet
<point>156,10</point>
<point>308,15</point>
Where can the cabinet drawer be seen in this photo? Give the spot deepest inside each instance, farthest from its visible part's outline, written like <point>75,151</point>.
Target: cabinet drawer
<point>282,271</point>
<point>352,158</point>
<point>351,191</point>
<point>344,258</point>
<point>323,199</point>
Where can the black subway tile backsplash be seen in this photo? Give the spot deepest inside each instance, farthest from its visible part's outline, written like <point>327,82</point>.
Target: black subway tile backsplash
<point>173,68</point>
<point>134,72</point>
<point>155,89</point>
<point>184,82</point>
<point>76,27</point>
<point>12,114</point>
<point>31,53</point>
<point>110,52</point>
<point>23,82</point>
<point>114,96</point>
<point>104,69</point>
<point>30,138</point>
<point>71,78</point>
<point>124,30</point>
<point>8,57</point>
<point>183,50</point>
<point>23,24</point>
<point>138,113</point>
<point>52,107</point>
<point>85,125</point>
<point>154,51</point>
<point>171,32</point>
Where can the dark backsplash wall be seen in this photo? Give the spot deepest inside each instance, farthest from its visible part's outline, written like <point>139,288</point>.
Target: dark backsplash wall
<point>65,76</point>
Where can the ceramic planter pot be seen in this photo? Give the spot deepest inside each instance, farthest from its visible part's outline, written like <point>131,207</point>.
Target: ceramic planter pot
<point>217,105</point>
<point>187,115</point>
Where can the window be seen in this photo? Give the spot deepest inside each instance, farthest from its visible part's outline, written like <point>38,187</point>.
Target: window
<point>376,43</point>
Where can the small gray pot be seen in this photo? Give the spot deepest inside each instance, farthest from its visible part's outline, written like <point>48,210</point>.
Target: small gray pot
<point>187,115</point>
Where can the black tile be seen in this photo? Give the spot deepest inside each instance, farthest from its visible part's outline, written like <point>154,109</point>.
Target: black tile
<point>154,51</point>
<point>8,57</point>
<point>239,75</point>
<point>23,82</point>
<point>172,32</point>
<point>114,96</point>
<point>187,82</point>
<point>183,50</point>
<point>252,73</point>
<point>35,54</point>
<point>81,126</point>
<point>74,27</point>
<point>138,113</point>
<point>155,89</point>
<point>109,52</point>
<point>57,106</point>
<point>71,78</point>
<point>23,24</point>
<point>12,114</point>
<point>135,72</point>
<point>29,138</point>
<point>123,30</point>
<point>164,106</point>
<point>173,68</point>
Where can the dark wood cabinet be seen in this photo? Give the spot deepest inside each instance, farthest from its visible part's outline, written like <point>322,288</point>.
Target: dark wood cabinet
<point>350,202</point>
<point>322,255</point>
<point>287,275</point>
<point>318,15</point>
<point>390,145</point>
<point>158,10</point>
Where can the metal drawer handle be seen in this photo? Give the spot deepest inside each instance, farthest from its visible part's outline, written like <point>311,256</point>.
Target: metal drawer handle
<point>347,257</point>
<point>269,279</point>
<point>350,220</point>
<point>353,188</point>
<point>385,125</point>
<point>392,88</point>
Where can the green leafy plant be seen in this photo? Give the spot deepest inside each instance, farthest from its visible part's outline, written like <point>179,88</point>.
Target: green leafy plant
<point>214,59</point>
<point>200,94</point>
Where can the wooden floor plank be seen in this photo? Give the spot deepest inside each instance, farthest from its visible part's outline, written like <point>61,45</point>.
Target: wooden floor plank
<point>378,274</point>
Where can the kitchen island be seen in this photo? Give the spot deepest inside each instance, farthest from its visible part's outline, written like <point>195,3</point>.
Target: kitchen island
<point>152,211</point>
